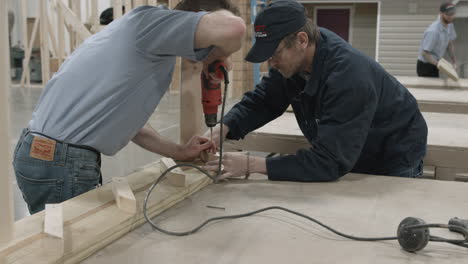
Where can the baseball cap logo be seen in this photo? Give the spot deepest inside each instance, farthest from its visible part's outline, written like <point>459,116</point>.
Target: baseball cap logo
<point>260,31</point>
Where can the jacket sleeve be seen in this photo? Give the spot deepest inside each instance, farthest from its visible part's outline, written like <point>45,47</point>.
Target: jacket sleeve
<point>349,105</point>
<point>266,102</point>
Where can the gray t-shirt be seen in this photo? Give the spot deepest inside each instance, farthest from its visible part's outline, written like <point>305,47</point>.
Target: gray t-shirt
<point>436,39</point>
<point>105,92</point>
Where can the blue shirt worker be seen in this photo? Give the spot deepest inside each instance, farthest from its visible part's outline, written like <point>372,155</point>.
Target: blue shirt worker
<point>438,39</point>
<point>104,93</point>
<point>356,116</point>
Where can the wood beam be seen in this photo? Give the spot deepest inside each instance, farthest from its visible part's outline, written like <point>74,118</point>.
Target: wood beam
<point>176,176</point>
<point>191,111</point>
<point>61,33</point>
<point>24,15</point>
<point>28,53</point>
<point>137,3</point>
<point>128,6</point>
<point>53,40</point>
<point>45,54</point>
<point>123,195</point>
<point>6,197</point>
<point>117,5</point>
<point>94,13</point>
<point>74,22</point>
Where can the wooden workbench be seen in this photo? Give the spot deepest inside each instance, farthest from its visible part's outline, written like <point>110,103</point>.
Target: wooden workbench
<point>357,204</point>
<point>447,142</point>
<point>433,83</point>
<point>441,100</point>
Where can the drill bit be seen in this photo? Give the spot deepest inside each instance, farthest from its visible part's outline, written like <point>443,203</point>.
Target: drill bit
<point>211,133</point>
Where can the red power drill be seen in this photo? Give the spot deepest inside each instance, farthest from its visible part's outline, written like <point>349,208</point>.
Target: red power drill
<point>211,93</point>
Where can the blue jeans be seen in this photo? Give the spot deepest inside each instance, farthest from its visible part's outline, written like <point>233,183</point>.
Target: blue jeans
<point>414,171</point>
<point>72,171</point>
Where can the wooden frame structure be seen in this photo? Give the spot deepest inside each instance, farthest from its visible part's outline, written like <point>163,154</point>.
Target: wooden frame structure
<point>93,220</point>
<point>67,18</point>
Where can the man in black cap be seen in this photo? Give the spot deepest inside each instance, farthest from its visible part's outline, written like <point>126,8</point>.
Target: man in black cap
<point>356,116</point>
<point>438,39</point>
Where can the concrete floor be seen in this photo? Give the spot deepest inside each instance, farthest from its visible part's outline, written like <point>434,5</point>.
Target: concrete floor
<point>165,120</point>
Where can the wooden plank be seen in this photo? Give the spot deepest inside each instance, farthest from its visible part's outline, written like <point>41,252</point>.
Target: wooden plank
<point>128,6</point>
<point>174,89</point>
<point>73,21</point>
<point>117,4</point>
<point>53,229</point>
<point>93,220</point>
<point>443,107</point>
<point>124,195</point>
<point>451,174</point>
<point>153,2</point>
<point>137,3</point>
<point>24,20</point>
<point>27,57</point>
<point>61,33</point>
<point>175,177</point>
<point>432,83</point>
<point>53,220</point>
<point>45,55</point>
<point>441,100</point>
<point>75,6</point>
<point>447,68</point>
<point>6,197</point>
<point>94,13</point>
<point>52,39</point>
<point>191,118</point>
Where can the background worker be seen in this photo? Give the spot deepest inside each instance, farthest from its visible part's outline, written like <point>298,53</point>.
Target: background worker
<point>357,117</point>
<point>438,39</point>
<point>105,92</point>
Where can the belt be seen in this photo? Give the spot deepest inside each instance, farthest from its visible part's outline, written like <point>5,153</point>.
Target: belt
<point>62,142</point>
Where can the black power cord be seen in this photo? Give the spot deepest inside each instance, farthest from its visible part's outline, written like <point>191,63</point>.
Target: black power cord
<point>413,233</point>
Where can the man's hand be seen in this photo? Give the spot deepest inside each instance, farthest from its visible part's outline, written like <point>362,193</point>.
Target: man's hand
<point>193,148</point>
<point>237,164</point>
<point>217,136</point>
<point>234,164</point>
<point>211,76</point>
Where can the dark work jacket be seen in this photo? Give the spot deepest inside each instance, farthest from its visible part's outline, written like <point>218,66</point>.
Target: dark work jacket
<point>356,116</point>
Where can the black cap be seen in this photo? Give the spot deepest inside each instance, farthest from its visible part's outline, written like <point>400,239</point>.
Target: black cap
<point>447,8</point>
<point>279,19</point>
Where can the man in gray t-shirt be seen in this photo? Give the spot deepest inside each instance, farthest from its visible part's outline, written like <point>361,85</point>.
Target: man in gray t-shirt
<point>104,93</point>
<point>438,39</point>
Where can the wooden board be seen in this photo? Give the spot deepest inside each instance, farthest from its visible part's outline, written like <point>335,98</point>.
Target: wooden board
<point>191,110</point>
<point>447,68</point>
<point>123,195</point>
<point>93,220</point>
<point>447,139</point>
<point>361,205</point>
<point>6,198</point>
<point>441,100</point>
<point>176,176</point>
<point>432,83</point>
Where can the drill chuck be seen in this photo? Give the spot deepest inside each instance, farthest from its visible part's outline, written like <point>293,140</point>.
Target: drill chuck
<point>211,120</point>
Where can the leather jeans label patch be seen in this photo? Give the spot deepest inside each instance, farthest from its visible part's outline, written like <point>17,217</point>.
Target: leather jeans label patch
<point>43,149</point>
